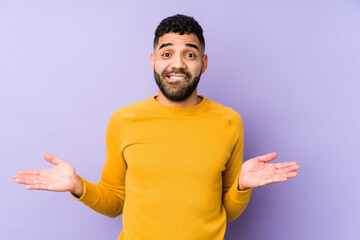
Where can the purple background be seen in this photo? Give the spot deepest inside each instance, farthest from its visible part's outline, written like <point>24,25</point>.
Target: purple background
<point>290,68</point>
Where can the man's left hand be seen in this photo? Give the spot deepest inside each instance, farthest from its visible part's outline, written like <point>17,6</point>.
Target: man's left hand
<point>258,172</point>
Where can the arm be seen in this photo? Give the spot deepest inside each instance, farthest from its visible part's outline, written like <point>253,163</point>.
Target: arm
<point>235,200</point>
<point>254,172</point>
<point>107,197</point>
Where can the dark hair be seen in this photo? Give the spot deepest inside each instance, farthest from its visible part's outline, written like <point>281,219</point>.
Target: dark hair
<point>180,24</point>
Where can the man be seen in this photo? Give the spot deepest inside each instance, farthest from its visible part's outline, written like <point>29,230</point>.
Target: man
<point>173,161</point>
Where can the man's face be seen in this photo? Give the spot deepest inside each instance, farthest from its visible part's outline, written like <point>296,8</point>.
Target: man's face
<point>178,62</point>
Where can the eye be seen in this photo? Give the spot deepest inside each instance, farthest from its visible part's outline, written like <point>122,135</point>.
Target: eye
<point>191,55</point>
<point>166,55</point>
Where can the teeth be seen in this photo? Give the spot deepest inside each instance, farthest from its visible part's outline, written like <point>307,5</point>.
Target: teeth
<point>176,78</point>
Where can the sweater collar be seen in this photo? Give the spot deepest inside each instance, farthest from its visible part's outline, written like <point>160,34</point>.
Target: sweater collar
<point>179,110</point>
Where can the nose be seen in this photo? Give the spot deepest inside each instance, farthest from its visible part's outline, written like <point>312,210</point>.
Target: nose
<point>178,62</point>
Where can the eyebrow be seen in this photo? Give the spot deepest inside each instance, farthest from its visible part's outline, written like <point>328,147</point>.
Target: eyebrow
<point>186,44</point>
<point>165,45</point>
<point>192,45</point>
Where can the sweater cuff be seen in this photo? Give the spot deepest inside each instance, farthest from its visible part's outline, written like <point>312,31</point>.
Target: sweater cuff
<point>89,196</point>
<point>239,196</point>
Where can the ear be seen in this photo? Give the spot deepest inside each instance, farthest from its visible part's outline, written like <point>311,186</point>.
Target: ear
<point>152,60</point>
<point>204,63</point>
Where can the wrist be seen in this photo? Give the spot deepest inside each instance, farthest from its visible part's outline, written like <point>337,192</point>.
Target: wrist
<point>240,186</point>
<point>78,187</point>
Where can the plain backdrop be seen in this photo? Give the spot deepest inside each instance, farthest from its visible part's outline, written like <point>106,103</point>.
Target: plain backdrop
<point>290,68</point>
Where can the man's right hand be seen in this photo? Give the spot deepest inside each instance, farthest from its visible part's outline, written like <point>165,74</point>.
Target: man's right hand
<point>60,178</point>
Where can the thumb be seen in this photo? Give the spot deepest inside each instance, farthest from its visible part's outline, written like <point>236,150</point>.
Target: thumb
<point>51,159</point>
<point>268,157</point>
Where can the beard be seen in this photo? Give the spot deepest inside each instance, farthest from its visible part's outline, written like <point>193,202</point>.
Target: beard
<point>176,91</point>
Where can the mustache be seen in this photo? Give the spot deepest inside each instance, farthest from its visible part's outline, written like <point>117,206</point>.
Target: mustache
<point>166,73</point>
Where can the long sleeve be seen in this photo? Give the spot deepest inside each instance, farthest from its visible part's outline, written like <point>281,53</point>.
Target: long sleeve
<point>235,200</point>
<point>108,196</point>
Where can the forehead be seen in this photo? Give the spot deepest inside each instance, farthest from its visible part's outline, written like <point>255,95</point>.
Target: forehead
<point>177,39</point>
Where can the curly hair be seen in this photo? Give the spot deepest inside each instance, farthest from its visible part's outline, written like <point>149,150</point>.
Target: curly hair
<point>180,24</point>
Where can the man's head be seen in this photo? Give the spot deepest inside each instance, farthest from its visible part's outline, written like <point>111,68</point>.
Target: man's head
<point>178,59</point>
<point>180,24</point>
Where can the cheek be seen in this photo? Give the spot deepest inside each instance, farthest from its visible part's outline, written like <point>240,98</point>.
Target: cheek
<point>159,66</point>
<point>196,68</point>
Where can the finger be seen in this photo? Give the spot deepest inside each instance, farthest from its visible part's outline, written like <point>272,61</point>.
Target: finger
<point>31,180</point>
<point>38,186</point>
<point>267,157</point>
<point>27,172</point>
<point>287,169</point>
<point>280,178</point>
<point>285,164</point>
<point>275,179</point>
<point>285,176</point>
<point>291,174</point>
<point>51,159</point>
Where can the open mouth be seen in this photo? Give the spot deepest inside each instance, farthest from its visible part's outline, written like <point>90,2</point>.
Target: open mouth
<point>175,78</point>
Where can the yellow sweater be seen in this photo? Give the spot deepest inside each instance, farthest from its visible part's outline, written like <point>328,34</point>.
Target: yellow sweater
<point>172,172</point>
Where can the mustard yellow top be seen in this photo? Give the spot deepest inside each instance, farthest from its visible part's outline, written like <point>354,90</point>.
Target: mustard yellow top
<point>172,172</point>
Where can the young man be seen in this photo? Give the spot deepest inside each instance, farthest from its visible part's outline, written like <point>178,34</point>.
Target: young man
<point>173,161</point>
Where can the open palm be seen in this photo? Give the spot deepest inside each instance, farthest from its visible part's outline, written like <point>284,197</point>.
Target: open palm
<point>258,172</point>
<point>59,178</point>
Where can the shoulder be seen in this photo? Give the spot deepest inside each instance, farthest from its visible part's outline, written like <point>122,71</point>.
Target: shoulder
<point>232,117</point>
<point>132,109</point>
<point>126,114</point>
<point>225,112</point>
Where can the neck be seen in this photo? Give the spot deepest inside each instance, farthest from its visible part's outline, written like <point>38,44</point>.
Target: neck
<point>193,100</point>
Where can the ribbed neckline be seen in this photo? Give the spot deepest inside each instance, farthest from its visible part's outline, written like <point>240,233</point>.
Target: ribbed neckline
<point>179,110</point>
